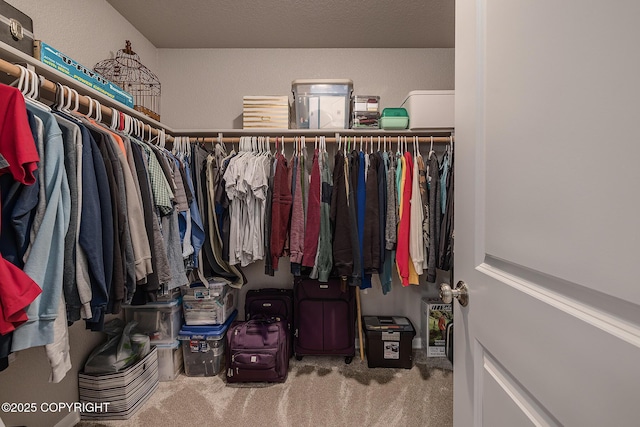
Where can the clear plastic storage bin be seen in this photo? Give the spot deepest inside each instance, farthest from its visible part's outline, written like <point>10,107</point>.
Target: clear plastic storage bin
<point>203,348</point>
<point>161,321</point>
<point>169,361</point>
<point>322,104</point>
<point>208,305</point>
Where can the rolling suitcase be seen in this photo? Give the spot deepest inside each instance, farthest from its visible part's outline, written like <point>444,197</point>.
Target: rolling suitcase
<point>257,351</point>
<point>324,319</point>
<point>271,302</point>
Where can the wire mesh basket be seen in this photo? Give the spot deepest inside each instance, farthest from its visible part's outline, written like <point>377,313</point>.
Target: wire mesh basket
<point>130,74</point>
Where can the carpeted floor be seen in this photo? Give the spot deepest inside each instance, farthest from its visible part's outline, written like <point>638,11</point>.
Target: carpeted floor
<point>319,391</point>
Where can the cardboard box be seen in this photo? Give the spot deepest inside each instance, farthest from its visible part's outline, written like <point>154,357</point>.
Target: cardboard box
<point>435,315</point>
<point>265,112</point>
<point>63,63</point>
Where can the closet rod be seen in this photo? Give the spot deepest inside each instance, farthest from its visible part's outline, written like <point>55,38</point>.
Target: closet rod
<point>330,139</point>
<point>49,86</point>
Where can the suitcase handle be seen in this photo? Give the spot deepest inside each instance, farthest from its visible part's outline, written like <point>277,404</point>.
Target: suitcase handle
<point>260,321</point>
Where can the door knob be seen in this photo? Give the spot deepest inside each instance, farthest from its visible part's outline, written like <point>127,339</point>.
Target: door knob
<point>461,292</point>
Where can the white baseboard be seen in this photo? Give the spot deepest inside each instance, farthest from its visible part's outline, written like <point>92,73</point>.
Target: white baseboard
<point>70,420</point>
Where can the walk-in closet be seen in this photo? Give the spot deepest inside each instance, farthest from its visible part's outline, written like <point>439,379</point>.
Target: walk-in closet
<point>282,209</point>
<point>200,118</point>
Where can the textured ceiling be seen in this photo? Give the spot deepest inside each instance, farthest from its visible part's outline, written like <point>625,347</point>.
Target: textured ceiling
<point>292,23</point>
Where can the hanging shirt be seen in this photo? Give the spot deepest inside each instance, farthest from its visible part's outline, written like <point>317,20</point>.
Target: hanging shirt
<point>296,243</point>
<point>371,242</point>
<point>312,231</point>
<point>72,140</point>
<point>268,262</point>
<point>361,210</point>
<point>445,251</point>
<point>197,227</point>
<point>280,209</point>
<point>434,215</point>
<point>416,243</point>
<point>340,219</point>
<point>18,158</point>
<point>160,274</point>
<point>424,198</point>
<point>403,261</point>
<point>46,257</point>
<point>18,205</point>
<point>444,173</point>
<point>390,223</point>
<point>324,258</point>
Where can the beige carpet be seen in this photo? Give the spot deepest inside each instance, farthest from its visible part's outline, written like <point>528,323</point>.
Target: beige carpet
<point>320,391</point>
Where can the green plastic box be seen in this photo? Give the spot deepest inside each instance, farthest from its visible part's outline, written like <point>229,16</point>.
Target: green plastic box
<point>394,118</point>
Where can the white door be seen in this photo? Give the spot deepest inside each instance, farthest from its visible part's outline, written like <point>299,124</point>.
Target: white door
<point>547,221</point>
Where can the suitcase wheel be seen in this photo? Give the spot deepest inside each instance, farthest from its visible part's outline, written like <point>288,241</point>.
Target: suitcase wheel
<point>348,359</point>
<point>298,357</point>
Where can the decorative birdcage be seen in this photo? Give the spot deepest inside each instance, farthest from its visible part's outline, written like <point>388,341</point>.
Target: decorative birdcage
<point>130,74</point>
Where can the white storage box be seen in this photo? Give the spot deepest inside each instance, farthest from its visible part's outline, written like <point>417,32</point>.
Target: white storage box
<point>430,109</point>
<point>322,104</point>
<point>169,361</point>
<point>265,112</point>
<point>125,391</point>
<point>208,305</point>
<point>161,321</point>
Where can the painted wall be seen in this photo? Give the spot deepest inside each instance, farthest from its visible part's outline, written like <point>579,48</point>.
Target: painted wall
<point>88,31</point>
<point>26,380</point>
<point>203,88</point>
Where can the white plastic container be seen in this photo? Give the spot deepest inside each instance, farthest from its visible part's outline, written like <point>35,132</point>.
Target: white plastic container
<point>430,109</point>
<point>322,104</point>
<point>170,361</point>
<point>161,321</point>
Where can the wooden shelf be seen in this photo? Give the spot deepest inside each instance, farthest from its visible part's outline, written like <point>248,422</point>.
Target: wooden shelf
<point>312,132</point>
<point>14,56</point>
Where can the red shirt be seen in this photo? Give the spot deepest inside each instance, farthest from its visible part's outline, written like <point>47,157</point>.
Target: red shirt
<point>18,148</point>
<point>16,140</point>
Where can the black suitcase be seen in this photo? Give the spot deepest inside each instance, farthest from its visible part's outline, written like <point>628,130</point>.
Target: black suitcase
<point>324,318</point>
<point>16,28</point>
<point>271,302</point>
<point>448,341</point>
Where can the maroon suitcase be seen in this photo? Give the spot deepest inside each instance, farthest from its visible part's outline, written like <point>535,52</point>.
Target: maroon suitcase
<point>324,319</point>
<point>257,351</point>
<point>271,302</point>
